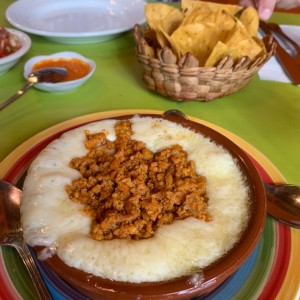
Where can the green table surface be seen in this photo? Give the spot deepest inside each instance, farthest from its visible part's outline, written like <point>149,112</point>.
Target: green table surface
<point>266,114</point>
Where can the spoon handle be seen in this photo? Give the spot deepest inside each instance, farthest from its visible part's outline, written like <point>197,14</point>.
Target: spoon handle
<point>275,27</point>
<point>176,113</point>
<point>16,95</point>
<point>19,244</point>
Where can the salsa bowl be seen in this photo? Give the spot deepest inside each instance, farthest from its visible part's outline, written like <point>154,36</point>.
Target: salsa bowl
<point>7,62</point>
<point>62,86</point>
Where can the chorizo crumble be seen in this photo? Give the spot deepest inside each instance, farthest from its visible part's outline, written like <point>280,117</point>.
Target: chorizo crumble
<point>129,191</point>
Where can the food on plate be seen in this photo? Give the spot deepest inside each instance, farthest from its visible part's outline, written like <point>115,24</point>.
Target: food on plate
<point>9,43</point>
<point>76,67</point>
<point>130,191</point>
<point>62,227</point>
<point>199,27</point>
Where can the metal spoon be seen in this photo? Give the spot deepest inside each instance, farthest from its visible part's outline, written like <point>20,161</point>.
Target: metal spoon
<point>277,29</point>
<point>284,203</point>
<point>11,233</point>
<point>176,113</point>
<point>50,75</point>
<point>283,199</point>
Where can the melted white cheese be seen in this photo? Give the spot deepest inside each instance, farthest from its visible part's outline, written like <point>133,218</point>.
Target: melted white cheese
<point>50,219</point>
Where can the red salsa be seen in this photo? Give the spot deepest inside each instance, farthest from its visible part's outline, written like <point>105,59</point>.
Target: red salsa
<point>9,43</point>
<point>76,67</point>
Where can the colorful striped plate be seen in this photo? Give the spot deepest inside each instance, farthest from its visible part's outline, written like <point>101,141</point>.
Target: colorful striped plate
<point>271,272</point>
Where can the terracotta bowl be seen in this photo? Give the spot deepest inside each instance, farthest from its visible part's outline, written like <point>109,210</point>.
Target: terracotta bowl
<point>181,288</point>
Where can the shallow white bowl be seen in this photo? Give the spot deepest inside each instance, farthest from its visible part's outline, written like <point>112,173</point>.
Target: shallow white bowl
<point>59,86</point>
<point>76,21</point>
<point>9,61</point>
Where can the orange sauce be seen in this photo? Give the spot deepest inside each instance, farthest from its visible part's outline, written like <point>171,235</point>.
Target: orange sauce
<point>76,67</point>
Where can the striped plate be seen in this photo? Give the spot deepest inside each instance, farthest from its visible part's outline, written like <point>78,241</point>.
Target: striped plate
<point>271,272</point>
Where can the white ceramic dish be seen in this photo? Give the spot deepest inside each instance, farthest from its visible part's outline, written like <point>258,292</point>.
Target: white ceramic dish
<point>59,86</point>
<point>76,21</point>
<point>9,61</point>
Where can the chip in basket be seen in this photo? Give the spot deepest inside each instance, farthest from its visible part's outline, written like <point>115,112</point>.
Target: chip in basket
<point>201,50</point>
<point>161,17</point>
<point>198,38</point>
<point>239,41</point>
<point>210,31</point>
<point>189,5</point>
<point>250,19</point>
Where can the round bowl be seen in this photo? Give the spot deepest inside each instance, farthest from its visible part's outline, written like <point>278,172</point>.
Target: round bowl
<point>9,61</point>
<point>59,86</point>
<point>187,286</point>
<point>182,79</point>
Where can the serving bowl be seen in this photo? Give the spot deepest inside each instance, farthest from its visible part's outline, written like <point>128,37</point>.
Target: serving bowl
<point>60,86</point>
<point>185,286</point>
<point>184,80</point>
<point>9,61</point>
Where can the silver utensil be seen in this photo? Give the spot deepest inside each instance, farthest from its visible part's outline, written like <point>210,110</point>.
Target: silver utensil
<point>50,75</point>
<point>277,29</point>
<point>176,113</point>
<point>287,61</point>
<point>284,203</point>
<point>283,199</point>
<point>11,233</point>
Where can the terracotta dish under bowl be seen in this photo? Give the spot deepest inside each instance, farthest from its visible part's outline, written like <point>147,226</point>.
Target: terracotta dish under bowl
<point>182,288</point>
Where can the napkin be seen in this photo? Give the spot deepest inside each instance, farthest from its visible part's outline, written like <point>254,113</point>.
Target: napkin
<point>272,70</point>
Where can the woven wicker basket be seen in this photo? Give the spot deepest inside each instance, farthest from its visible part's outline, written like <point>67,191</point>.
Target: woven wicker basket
<point>184,80</point>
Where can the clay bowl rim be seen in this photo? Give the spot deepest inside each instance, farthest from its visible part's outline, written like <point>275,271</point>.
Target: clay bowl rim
<point>215,274</point>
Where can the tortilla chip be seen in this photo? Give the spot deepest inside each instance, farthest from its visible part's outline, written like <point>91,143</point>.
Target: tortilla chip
<point>248,48</point>
<point>198,39</point>
<point>188,5</point>
<point>219,52</point>
<point>208,30</point>
<point>197,15</point>
<point>249,17</point>
<point>260,43</point>
<point>155,12</point>
<point>174,47</point>
<point>240,40</point>
<point>236,34</point>
<point>166,16</point>
<point>222,20</point>
<point>172,21</point>
<point>163,17</point>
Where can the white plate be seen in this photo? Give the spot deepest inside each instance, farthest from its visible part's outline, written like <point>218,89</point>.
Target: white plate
<point>76,21</point>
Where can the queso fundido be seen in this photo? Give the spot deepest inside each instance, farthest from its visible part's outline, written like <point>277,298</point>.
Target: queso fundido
<point>50,219</point>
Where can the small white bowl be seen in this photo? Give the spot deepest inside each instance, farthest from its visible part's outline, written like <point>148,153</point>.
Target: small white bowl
<point>59,86</point>
<point>9,61</point>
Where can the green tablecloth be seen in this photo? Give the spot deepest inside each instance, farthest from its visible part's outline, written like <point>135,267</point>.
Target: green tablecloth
<point>266,114</point>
